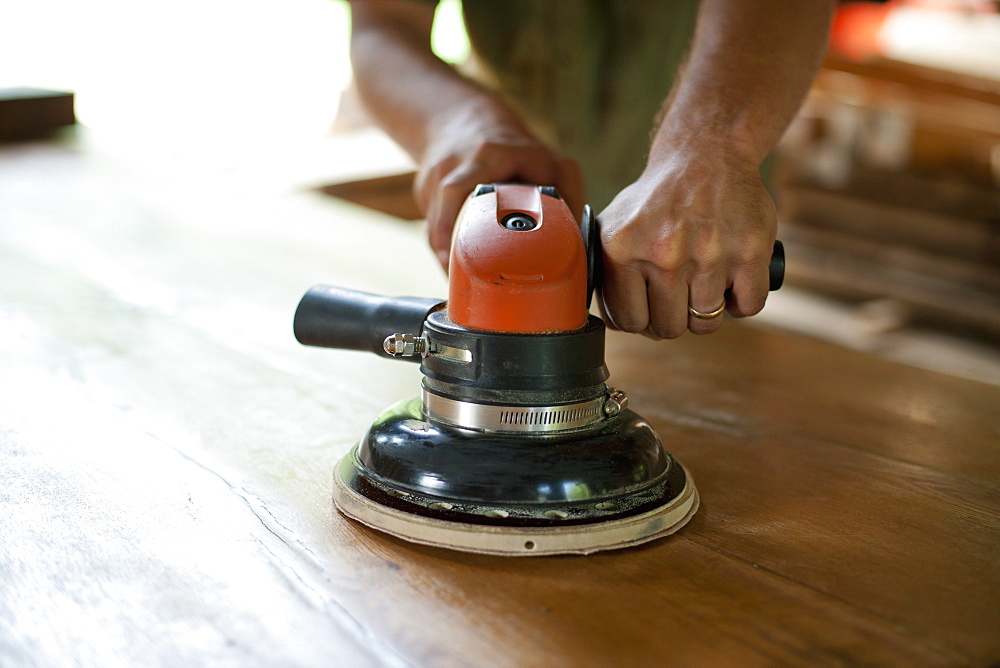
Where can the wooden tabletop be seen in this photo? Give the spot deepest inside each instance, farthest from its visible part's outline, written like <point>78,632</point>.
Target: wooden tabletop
<point>166,451</point>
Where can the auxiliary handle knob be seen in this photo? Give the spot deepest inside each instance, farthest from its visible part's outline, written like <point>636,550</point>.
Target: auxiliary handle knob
<point>330,317</point>
<point>776,269</point>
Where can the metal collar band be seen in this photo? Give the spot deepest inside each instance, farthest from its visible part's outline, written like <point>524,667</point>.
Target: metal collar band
<point>521,419</point>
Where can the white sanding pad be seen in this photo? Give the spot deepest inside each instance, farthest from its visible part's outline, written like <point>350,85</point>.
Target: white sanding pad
<point>519,541</point>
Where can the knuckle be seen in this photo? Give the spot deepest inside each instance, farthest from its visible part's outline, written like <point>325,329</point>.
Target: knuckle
<point>668,331</point>
<point>754,250</point>
<point>650,255</point>
<point>749,301</point>
<point>492,152</point>
<point>486,149</point>
<point>421,194</point>
<point>666,255</point>
<point>628,323</point>
<point>619,314</point>
<point>748,308</point>
<point>709,257</point>
<point>439,170</point>
<point>668,325</point>
<point>700,328</point>
<point>459,181</point>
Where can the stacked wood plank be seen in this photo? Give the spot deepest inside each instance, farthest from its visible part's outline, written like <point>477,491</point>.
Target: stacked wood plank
<point>889,187</point>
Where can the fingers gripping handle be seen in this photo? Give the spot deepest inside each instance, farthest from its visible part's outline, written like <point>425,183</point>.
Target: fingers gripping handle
<point>595,259</point>
<point>330,317</point>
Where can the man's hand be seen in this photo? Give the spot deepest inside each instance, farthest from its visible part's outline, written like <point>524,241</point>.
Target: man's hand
<point>697,223</point>
<point>484,143</point>
<point>458,132</point>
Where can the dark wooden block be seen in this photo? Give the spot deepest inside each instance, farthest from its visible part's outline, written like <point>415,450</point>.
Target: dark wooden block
<point>27,113</point>
<point>389,194</point>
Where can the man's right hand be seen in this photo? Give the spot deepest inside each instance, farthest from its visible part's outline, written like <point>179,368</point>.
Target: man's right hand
<point>459,133</point>
<point>478,143</point>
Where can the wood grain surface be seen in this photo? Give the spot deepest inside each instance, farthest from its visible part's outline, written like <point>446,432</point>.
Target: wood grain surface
<point>166,451</point>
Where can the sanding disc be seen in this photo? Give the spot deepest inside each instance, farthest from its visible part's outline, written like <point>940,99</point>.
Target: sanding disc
<point>517,529</point>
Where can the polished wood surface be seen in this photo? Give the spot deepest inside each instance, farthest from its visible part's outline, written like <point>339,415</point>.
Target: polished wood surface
<point>166,451</point>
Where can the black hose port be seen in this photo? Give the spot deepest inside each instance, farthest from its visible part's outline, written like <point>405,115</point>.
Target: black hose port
<point>519,222</point>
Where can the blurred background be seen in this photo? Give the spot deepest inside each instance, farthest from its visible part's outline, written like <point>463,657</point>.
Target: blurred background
<point>888,182</point>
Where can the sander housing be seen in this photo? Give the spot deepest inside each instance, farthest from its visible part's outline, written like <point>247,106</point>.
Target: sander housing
<point>516,444</point>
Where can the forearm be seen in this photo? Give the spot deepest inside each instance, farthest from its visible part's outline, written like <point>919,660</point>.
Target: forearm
<point>696,229</point>
<point>751,64</point>
<point>458,133</point>
<point>406,88</point>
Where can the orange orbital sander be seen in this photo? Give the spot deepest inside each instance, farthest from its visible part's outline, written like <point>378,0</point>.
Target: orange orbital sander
<point>516,446</point>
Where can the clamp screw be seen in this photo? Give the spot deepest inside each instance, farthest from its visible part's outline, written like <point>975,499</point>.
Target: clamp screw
<point>616,402</point>
<point>405,345</point>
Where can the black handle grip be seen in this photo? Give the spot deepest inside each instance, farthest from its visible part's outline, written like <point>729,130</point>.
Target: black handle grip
<point>330,317</point>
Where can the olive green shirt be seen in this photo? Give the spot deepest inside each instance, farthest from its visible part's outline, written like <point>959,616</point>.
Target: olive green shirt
<point>587,76</point>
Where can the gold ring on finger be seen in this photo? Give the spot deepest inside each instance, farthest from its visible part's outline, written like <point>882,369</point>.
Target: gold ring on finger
<point>711,314</point>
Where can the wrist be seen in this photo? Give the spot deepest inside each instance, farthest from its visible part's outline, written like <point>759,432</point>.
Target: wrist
<point>706,137</point>
<point>700,155</point>
<point>476,115</point>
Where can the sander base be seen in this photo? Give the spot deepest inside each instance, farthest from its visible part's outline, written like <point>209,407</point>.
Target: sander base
<point>606,488</point>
